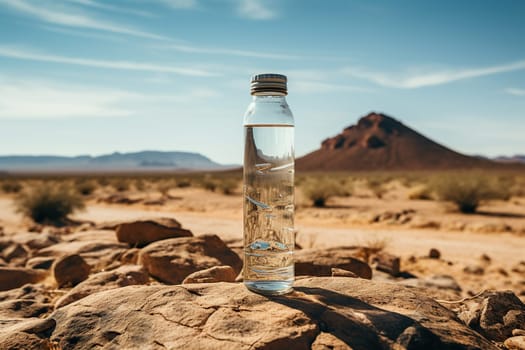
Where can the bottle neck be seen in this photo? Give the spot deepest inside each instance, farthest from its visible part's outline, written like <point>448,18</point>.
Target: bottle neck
<point>269,98</point>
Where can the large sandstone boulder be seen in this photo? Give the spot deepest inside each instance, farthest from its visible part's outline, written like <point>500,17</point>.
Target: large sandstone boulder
<point>14,277</point>
<point>319,262</point>
<point>172,260</point>
<point>322,313</point>
<point>142,232</point>
<point>123,276</point>
<point>28,334</point>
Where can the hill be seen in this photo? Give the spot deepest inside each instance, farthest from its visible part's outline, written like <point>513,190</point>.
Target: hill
<point>138,161</point>
<point>380,142</point>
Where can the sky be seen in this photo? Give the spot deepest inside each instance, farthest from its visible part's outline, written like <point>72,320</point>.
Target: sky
<point>94,77</point>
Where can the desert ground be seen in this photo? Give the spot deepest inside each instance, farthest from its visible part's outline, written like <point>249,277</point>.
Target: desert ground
<point>403,219</point>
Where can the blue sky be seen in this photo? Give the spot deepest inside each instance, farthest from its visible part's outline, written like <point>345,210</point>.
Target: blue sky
<point>94,76</point>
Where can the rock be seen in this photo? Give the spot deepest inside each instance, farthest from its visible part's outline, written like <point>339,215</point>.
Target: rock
<point>97,253</point>
<point>15,254</point>
<point>334,312</point>
<point>130,256</point>
<point>419,222</point>
<point>498,314</point>
<point>343,273</point>
<point>120,199</point>
<point>35,240</point>
<point>29,334</point>
<point>107,236</point>
<point>474,270</point>
<point>40,262</point>
<point>515,343</point>
<point>386,262</point>
<point>121,277</point>
<point>70,270</point>
<point>36,292</point>
<point>434,253</point>
<point>141,233</point>
<point>212,275</point>
<point>327,341</point>
<point>172,260</point>
<point>14,277</point>
<point>517,331</point>
<point>23,308</point>
<point>519,268</point>
<point>485,259</point>
<point>319,262</point>
<point>443,282</point>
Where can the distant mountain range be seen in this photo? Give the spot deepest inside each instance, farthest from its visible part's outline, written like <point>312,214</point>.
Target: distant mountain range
<point>138,161</point>
<point>380,142</point>
<point>519,158</point>
<point>376,142</point>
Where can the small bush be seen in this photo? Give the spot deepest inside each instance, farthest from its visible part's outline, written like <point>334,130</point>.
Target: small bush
<point>209,183</point>
<point>377,186</point>
<point>140,185</point>
<point>49,203</point>
<point>183,183</point>
<point>421,192</point>
<point>120,185</point>
<point>320,190</point>
<point>467,191</point>
<point>164,187</point>
<point>11,186</point>
<point>228,186</point>
<point>86,187</point>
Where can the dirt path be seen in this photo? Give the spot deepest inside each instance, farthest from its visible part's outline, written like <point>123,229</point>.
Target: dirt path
<point>504,248</point>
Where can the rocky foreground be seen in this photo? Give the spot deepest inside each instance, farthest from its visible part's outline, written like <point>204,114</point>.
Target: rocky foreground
<point>151,284</point>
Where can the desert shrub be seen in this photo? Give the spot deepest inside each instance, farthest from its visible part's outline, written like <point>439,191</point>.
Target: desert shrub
<point>103,181</point>
<point>85,187</point>
<point>183,183</point>
<point>49,203</point>
<point>10,186</point>
<point>164,187</point>
<point>209,183</point>
<point>228,186</point>
<point>377,186</point>
<point>422,192</point>
<point>120,184</point>
<point>140,185</point>
<point>320,190</point>
<point>467,191</point>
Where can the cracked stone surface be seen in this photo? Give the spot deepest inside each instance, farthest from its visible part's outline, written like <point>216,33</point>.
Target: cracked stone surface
<point>321,313</point>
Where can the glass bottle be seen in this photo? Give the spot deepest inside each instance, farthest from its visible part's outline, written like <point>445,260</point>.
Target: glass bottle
<point>269,187</point>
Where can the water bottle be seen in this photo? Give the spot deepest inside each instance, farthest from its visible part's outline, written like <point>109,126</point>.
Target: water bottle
<point>269,188</point>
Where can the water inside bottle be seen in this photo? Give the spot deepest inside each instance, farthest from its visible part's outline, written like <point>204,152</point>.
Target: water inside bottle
<point>269,208</point>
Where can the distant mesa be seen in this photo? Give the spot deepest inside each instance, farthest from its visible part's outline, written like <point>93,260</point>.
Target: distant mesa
<point>145,161</point>
<point>380,142</point>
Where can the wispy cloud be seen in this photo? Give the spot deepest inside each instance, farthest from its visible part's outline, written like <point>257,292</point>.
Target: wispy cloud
<point>422,79</point>
<point>120,9</point>
<point>255,9</point>
<point>74,19</point>
<point>121,65</point>
<point>180,4</point>
<point>516,92</point>
<point>230,52</point>
<point>37,100</point>
<point>41,99</point>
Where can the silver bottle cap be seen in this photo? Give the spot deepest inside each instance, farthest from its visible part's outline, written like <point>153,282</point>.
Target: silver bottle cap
<point>267,83</point>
